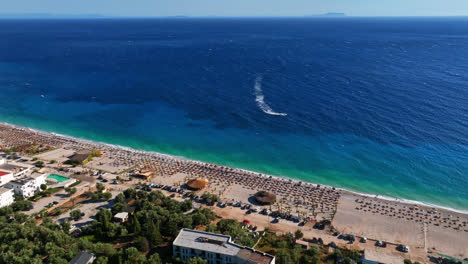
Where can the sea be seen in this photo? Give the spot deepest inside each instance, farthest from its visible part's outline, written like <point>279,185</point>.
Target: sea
<point>372,105</point>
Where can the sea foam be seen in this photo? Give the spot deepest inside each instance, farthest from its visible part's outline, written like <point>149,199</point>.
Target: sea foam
<point>260,99</point>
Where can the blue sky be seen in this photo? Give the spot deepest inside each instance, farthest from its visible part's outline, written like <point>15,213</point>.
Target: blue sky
<point>140,8</point>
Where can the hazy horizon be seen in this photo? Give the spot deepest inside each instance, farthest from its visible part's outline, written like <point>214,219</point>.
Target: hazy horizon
<point>241,8</point>
<point>100,16</point>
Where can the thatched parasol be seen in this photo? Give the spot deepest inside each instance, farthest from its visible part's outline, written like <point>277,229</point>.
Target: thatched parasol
<point>265,197</point>
<point>197,183</point>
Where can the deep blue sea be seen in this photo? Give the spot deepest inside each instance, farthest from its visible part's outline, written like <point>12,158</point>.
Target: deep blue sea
<point>375,105</point>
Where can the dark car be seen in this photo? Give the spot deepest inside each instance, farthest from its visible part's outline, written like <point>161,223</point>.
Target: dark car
<point>403,248</point>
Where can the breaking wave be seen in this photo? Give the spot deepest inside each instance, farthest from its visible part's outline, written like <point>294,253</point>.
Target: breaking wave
<point>260,99</point>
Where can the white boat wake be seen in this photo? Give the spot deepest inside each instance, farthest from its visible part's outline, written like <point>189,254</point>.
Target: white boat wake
<point>260,99</point>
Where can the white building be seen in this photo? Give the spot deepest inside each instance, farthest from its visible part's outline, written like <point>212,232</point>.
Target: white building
<point>5,176</point>
<point>216,249</point>
<point>6,197</point>
<point>14,168</point>
<point>121,217</point>
<point>27,186</point>
<point>83,258</point>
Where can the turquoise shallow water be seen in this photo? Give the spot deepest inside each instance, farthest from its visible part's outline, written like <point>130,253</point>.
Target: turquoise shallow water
<point>59,178</point>
<point>371,105</point>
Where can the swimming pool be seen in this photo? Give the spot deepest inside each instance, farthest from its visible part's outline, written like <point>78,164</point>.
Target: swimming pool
<point>59,178</point>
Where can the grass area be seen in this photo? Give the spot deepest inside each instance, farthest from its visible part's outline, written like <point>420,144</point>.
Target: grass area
<point>89,238</point>
<point>127,170</point>
<point>75,183</point>
<point>46,193</point>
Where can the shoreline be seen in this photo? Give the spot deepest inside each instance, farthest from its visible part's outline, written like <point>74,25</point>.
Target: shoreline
<point>258,174</point>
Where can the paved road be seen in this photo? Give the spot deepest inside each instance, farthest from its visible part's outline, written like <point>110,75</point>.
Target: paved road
<point>90,209</point>
<point>59,197</point>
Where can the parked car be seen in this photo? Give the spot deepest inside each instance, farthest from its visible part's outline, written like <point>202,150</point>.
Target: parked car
<point>381,243</point>
<point>363,239</point>
<point>403,248</point>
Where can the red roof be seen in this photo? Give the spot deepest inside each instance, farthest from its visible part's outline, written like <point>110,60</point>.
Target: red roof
<point>2,173</point>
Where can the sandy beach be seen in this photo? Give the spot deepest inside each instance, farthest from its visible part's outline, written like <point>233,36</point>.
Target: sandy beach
<point>426,229</point>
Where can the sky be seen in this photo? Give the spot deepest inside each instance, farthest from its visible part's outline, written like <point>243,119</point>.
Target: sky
<point>158,8</point>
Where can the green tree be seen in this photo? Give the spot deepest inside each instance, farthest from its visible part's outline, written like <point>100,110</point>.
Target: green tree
<point>154,259</point>
<point>107,196</point>
<point>70,190</point>
<point>136,225</point>
<point>65,224</point>
<point>75,214</point>
<point>296,253</point>
<point>100,187</point>
<point>95,196</point>
<point>312,251</point>
<point>120,198</point>
<point>43,187</point>
<point>133,256</point>
<point>142,244</point>
<point>186,205</point>
<point>153,234</point>
<point>101,260</point>
<point>283,257</point>
<point>298,234</point>
<point>21,205</point>
<point>337,254</point>
<point>354,255</point>
<point>130,193</point>
<point>196,260</point>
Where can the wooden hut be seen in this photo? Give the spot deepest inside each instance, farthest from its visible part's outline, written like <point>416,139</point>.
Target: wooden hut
<point>197,183</point>
<point>144,173</point>
<point>264,197</point>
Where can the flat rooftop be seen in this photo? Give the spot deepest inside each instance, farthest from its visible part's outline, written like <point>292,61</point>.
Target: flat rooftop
<point>206,241</point>
<point>252,256</point>
<point>4,190</point>
<point>22,181</point>
<point>2,173</point>
<point>221,244</point>
<point>11,167</point>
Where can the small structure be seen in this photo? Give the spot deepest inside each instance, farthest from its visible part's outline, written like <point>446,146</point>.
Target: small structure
<point>264,197</point>
<point>5,177</point>
<point>215,248</point>
<point>80,157</point>
<point>83,258</point>
<point>121,217</point>
<point>6,197</point>
<point>197,183</point>
<point>302,243</point>
<point>144,173</point>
